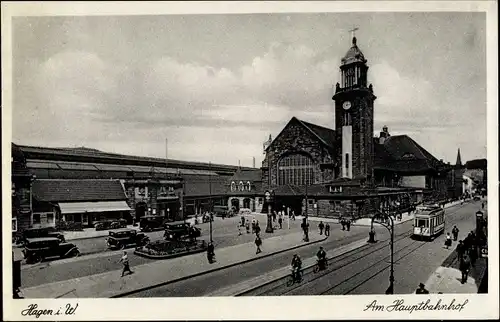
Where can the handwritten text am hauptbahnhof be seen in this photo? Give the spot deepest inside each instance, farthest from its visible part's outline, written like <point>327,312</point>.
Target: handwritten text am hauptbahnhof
<point>400,306</point>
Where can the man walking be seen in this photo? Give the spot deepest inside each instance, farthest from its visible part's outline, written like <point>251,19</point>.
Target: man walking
<point>280,222</point>
<point>321,226</point>
<point>460,250</point>
<point>126,265</point>
<point>348,223</point>
<point>342,222</point>
<point>327,229</point>
<point>455,231</point>
<point>421,289</point>
<point>464,268</point>
<point>258,243</point>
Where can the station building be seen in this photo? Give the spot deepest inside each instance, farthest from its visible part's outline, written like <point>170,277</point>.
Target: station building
<point>82,186</point>
<point>344,171</point>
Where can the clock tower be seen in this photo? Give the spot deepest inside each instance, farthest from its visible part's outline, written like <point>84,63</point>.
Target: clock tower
<point>354,116</point>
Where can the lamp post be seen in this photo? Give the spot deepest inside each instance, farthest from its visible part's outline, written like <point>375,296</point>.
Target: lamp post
<point>210,200</point>
<point>390,227</point>
<point>269,226</point>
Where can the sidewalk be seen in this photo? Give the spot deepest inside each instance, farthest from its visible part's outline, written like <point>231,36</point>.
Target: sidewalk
<point>236,289</point>
<point>163,272</point>
<point>447,279</point>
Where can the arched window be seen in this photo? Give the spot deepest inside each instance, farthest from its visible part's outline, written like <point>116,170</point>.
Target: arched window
<point>241,186</point>
<point>295,169</point>
<point>233,186</point>
<point>249,186</point>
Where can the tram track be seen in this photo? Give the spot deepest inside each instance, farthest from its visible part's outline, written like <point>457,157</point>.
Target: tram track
<point>268,289</point>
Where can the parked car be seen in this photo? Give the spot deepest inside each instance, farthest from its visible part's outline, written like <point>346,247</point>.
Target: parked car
<point>41,232</point>
<point>37,249</point>
<point>119,239</point>
<point>180,230</point>
<point>150,223</point>
<point>110,224</point>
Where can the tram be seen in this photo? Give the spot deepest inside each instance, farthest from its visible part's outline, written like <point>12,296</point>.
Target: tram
<point>428,222</point>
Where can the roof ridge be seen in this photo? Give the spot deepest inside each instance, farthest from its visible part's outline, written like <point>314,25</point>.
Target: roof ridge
<point>310,130</point>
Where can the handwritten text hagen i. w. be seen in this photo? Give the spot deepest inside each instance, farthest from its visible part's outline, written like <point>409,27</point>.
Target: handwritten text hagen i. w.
<point>34,310</point>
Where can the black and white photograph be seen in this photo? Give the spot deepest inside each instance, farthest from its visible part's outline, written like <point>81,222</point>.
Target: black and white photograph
<point>314,160</point>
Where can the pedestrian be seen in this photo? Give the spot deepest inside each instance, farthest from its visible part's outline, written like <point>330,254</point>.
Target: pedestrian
<point>239,230</point>
<point>473,255</point>
<point>258,243</point>
<point>460,250</point>
<point>126,264</point>
<point>447,242</point>
<point>257,229</point>
<point>327,229</point>
<point>280,222</point>
<point>421,289</point>
<point>247,225</point>
<point>253,226</point>
<point>211,253</point>
<point>464,268</point>
<point>274,216</point>
<point>242,221</point>
<point>348,223</point>
<point>342,222</point>
<point>482,205</point>
<point>321,226</point>
<point>293,215</point>
<point>455,231</point>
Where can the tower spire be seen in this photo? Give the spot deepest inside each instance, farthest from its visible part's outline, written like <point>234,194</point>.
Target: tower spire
<point>459,158</point>
<point>353,34</point>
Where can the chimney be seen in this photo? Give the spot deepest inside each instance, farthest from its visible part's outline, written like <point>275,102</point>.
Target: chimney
<point>253,163</point>
<point>384,135</point>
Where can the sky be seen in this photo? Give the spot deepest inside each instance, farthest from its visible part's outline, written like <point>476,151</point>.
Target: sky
<point>217,85</point>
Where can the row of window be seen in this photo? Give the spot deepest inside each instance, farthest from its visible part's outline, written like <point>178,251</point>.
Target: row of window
<point>241,186</point>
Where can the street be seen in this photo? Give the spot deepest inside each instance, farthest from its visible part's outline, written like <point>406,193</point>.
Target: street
<point>405,283</point>
<point>225,234</point>
<point>368,272</point>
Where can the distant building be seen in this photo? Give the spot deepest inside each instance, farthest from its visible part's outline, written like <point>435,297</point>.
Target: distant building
<point>86,185</point>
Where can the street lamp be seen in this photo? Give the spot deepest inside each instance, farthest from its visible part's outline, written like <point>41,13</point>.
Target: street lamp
<point>269,227</point>
<point>390,227</point>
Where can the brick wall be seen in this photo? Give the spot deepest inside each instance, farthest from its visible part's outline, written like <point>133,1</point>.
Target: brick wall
<point>295,138</point>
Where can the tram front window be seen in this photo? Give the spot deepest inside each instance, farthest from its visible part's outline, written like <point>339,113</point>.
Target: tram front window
<point>421,223</point>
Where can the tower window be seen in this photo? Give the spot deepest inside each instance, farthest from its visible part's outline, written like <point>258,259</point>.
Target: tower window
<point>347,161</point>
<point>347,119</point>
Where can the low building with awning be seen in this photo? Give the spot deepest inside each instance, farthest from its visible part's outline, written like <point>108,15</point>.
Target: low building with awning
<point>79,201</point>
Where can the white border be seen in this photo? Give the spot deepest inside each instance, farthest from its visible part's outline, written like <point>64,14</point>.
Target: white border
<point>312,307</point>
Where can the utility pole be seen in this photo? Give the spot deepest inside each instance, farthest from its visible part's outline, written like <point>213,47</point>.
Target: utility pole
<point>210,200</point>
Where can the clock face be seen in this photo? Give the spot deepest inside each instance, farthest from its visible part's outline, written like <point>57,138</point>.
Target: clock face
<point>346,105</point>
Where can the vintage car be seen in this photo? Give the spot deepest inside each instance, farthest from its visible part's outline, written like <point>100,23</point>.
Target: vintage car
<point>41,232</point>
<point>176,231</point>
<point>150,223</point>
<point>110,224</point>
<point>37,249</point>
<point>119,239</point>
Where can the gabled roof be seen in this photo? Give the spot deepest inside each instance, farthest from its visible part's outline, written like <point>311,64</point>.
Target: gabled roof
<point>401,153</point>
<point>247,175</point>
<point>324,135</point>
<point>60,190</point>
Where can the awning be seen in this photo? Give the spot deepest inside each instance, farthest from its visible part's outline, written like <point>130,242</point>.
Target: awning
<point>99,206</point>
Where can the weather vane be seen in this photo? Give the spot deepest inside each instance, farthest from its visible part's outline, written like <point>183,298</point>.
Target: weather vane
<point>353,31</point>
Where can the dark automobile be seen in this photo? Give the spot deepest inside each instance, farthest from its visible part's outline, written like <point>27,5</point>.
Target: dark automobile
<point>119,239</point>
<point>37,249</point>
<point>42,232</point>
<point>180,230</point>
<point>110,224</point>
<point>150,223</point>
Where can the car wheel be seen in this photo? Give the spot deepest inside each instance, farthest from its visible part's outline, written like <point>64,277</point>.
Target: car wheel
<point>75,253</point>
<point>37,259</point>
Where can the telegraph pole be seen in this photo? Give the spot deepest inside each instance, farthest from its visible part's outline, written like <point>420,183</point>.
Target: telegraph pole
<point>210,200</point>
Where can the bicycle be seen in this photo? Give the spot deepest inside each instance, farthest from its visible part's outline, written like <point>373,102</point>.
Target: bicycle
<point>318,268</point>
<point>294,277</point>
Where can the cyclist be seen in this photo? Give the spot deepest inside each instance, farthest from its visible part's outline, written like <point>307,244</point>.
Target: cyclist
<point>321,255</point>
<point>296,266</point>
